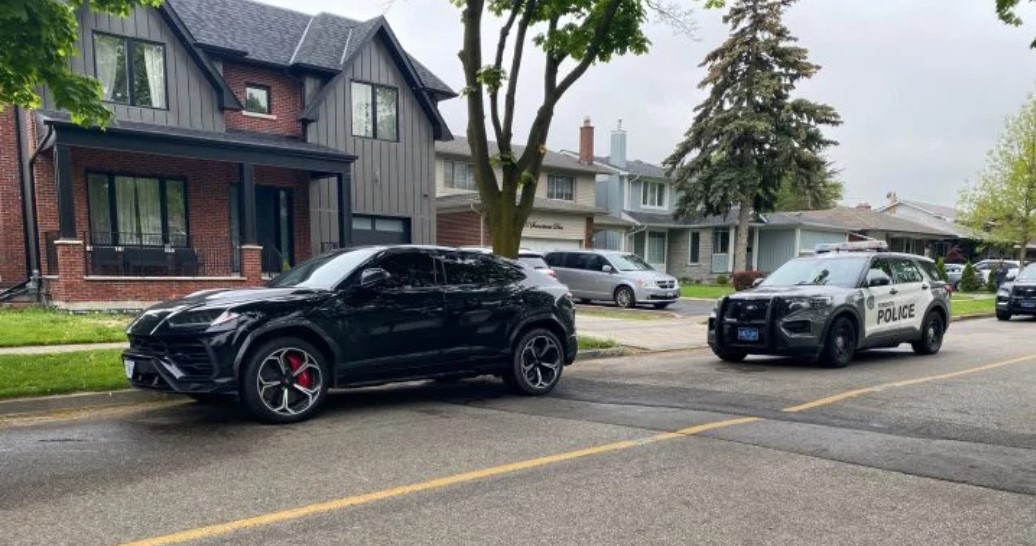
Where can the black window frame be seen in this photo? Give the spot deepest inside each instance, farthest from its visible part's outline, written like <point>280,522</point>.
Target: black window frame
<point>374,110</point>
<point>694,248</point>
<point>130,40</point>
<point>163,205</point>
<point>269,98</point>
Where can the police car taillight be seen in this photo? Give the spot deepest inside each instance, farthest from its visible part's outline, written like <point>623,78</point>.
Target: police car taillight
<point>859,246</point>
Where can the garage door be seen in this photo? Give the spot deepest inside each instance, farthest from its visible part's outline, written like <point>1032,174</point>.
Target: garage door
<point>546,245</point>
<point>380,230</point>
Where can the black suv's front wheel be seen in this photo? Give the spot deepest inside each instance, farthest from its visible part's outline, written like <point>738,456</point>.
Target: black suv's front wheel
<point>285,381</point>
<point>536,363</point>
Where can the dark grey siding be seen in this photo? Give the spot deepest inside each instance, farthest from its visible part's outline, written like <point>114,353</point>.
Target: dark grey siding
<point>389,178</point>
<point>192,99</point>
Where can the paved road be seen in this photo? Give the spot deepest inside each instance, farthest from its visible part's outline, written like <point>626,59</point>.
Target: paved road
<point>673,449</point>
<point>683,307</point>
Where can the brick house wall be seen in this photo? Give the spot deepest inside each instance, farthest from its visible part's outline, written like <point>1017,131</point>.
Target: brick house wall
<point>285,100</point>
<point>460,229</point>
<point>12,233</point>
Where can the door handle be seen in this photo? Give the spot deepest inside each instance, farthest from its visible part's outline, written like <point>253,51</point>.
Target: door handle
<point>893,291</point>
<point>924,287</point>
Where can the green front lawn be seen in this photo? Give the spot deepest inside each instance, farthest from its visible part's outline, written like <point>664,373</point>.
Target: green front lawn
<point>587,343</point>
<point>967,304</point>
<point>39,326</point>
<point>61,373</point>
<point>705,291</point>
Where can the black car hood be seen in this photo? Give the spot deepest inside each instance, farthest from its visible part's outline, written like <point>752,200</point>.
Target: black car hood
<point>1027,283</point>
<point>216,299</point>
<point>789,291</point>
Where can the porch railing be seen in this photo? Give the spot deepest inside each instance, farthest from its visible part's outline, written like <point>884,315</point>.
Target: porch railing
<point>152,255</point>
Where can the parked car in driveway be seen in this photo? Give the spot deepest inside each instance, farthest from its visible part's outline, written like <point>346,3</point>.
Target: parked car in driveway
<point>985,268</point>
<point>610,275</point>
<point>954,273</point>
<point>357,317</point>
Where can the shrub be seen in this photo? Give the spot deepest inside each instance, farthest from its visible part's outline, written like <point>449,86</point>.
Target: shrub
<point>743,280</point>
<point>940,270</point>
<point>722,280</point>
<point>969,279</point>
<point>991,282</point>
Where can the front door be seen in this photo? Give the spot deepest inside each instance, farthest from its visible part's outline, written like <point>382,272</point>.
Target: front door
<point>273,224</point>
<point>880,299</point>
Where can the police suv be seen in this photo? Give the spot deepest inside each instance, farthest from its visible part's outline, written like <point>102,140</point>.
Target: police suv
<point>846,297</point>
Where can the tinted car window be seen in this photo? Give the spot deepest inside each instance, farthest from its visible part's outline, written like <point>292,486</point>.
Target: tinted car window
<point>464,268</point>
<point>408,270</point>
<point>588,262</point>
<point>843,272</point>
<point>880,269</point>
<point>555,259</point>
<point>324,271</point>
<point>904,271</point>
<point>533,261</point>
<point>929,269</point>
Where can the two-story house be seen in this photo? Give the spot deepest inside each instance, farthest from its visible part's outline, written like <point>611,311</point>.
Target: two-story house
<point>641,202</point>
<point>563,211</point>
<point>246,138</point>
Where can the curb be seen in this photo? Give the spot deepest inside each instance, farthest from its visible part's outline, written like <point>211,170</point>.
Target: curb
<point>78,401</point>
<point>595,354</point>
<point>973,316</point>
<point>61,349</point>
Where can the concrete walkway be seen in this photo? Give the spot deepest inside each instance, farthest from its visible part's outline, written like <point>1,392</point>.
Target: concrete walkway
<point>650,335</point>
<point>49,349</point>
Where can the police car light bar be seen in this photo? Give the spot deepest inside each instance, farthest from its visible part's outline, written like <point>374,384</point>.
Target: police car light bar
<point>860,246</point>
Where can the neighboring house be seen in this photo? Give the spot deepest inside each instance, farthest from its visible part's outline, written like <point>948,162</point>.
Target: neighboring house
<point>942,218</point>
<point>562,214</point>
<point>247,138</point>
<point>901,234</point>
<point>641,201</point>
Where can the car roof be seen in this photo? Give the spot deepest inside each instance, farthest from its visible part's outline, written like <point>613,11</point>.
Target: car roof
<point>853,254</point>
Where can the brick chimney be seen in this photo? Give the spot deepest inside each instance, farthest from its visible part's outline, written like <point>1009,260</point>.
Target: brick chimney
<point>864,206</point>
<point>586,142</point>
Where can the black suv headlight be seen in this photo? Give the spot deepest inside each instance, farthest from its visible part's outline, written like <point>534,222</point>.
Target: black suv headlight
<point>796,304</point>
<point>203,317</point>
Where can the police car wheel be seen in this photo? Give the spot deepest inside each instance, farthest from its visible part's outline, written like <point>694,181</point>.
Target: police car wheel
<point>841,344</point>
<point>1003,315</point>
<point>729,356</point>
<point>931,335</point>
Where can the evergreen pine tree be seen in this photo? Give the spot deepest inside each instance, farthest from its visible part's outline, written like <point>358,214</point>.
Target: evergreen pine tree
<point>750,135</point>
<point>940,270</point>
<point>969,280</point>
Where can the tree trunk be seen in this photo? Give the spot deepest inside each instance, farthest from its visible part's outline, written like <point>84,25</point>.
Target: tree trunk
<point>744,217</point>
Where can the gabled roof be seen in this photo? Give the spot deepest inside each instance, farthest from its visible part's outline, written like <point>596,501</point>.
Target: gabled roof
<point>857,219</point>
<point>773,219</point>
<point>943,211</point>
<point>458,147</point>
<point>636,167</point>
<point>283,37</point>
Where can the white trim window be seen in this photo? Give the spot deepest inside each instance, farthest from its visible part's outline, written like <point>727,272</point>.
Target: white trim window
<point>561,187</point>
<point>694,248</point>
<point>653,195</point>
<point>720,241</point>
<point>459,175</point>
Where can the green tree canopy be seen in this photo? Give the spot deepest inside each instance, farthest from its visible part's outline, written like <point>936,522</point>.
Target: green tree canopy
<point>571,36</point>
<point>37,43</point>
<point>815,190</point>
<point>1003,201</point>
<point>750,135</point>
<point>1007,11</point>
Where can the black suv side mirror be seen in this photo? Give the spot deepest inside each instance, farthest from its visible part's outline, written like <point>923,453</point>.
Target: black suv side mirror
<point>373,277</point>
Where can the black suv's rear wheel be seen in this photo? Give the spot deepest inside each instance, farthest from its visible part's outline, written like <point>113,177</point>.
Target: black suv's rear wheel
<point>932,331</point>
<point>840,345</point>
<point>285,381</point>
<point>1002,315</point>
<point>536,363</point>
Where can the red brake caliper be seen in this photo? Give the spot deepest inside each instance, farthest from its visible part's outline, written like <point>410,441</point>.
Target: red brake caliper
<point>295,362</point>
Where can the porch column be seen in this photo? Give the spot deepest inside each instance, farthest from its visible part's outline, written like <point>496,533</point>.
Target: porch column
<point>65,192</point>
<point>246,202</point>
<point>731,249</point>
<point>343,181</point>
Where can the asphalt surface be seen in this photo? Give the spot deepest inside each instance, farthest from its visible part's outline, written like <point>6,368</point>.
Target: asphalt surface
<point>683,307</point>
<point>932,450</point>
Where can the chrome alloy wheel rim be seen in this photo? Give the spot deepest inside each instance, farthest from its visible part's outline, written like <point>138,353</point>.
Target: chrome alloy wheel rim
<point>541,362</point>
<point>289,381</point>
<point>624,298</point>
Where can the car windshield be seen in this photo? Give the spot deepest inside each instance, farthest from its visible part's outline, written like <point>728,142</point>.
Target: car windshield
<point>842,272</point>
<point>629,262</point>
<point>534,262</point>
<point>1028,274</point>
<point>325,271</point>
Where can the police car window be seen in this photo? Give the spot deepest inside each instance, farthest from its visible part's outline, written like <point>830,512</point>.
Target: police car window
<point>880,269</point>
<point>843,272</point>
<point>905,272</point>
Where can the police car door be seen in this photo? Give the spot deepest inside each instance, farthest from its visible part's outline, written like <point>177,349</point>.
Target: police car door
<point>913,297</point>
<point>880,293</point>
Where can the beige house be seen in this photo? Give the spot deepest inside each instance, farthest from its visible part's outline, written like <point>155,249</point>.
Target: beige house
<point>563,212</point>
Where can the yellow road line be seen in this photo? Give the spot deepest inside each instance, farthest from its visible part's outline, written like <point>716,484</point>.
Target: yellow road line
<point>211,531</point>
<point>905,383</point>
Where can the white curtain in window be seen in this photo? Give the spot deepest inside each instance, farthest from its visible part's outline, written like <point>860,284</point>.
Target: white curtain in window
<point>126,210</point>
<point>149,207</point>
<point>106,51</point>
<point>154,62</point>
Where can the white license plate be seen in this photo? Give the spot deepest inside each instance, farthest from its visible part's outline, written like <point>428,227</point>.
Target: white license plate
<point>129,364</point>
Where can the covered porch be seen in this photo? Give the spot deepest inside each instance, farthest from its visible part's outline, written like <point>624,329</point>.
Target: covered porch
<point>140,213</point>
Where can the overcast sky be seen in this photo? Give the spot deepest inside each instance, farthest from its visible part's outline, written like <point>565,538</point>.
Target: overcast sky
<point>923,86</point>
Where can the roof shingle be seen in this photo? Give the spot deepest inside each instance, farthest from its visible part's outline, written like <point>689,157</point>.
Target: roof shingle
<point>459,147</point>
